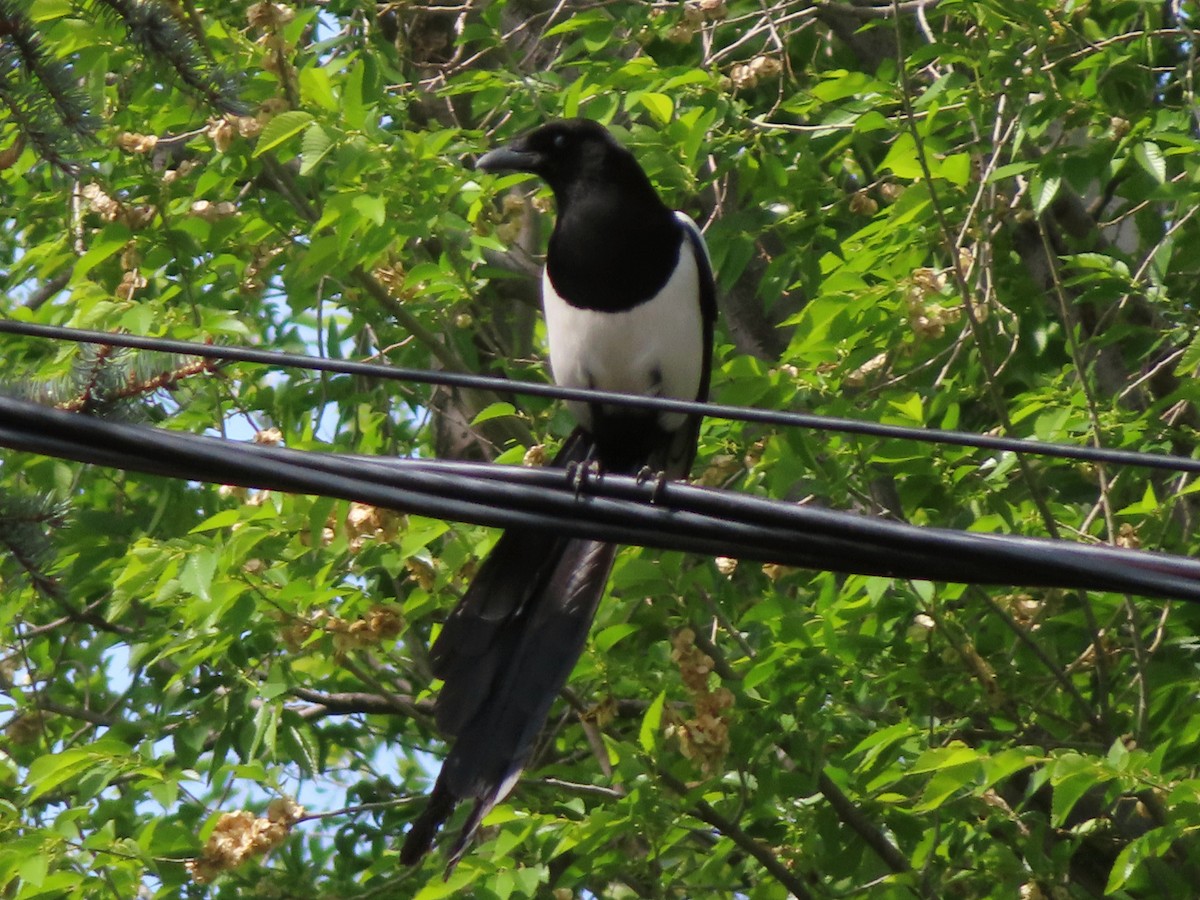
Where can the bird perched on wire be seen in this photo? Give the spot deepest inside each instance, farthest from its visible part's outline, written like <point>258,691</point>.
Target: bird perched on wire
<point>629,301</point>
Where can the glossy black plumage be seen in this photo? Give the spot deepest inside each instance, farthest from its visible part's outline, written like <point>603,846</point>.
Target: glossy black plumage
<point>630,303</point>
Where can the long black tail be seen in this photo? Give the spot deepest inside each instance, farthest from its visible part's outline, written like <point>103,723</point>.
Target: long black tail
<point>504,654</point>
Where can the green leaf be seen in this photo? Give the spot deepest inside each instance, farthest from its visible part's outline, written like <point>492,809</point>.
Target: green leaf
<point>651,723</point>
<point>1042,191</point>
<point>275,685</point>
<point>911,409</point>
<point>1189,360</point>
<point>497,410</point>
<point>318,518</point>
<point>299,747</point>
<point>1067,793</point>
<point>956,168</point>
<point>577,22</point>
<point>1011,169</point>
<point>266,722</point>
<point>1155,844</point>
<point>280,128</point>
<point>316,88</point>
<point>199,568</point>
<point>902,159</point>
<point>1124,866</point>
<point>570,103</point>
<point>1006,763</point>
<point>49,10</point>
<point>952,755</point>
<point>420,533</point>
<point>945,784</point>
<point>1147,505</point>
<point>48,772</point>
<point>111,241</point>
<point>874,744</point>
<point>872,120</point>
<point>313,147</point>
<point>660,106</point>
<point>371,207</point>
<point>1150,157</point>
<point>450,886</point>
<point>609,637</point>
<point>217,521</point>
<point>353,104</point>
<point>512,456</point>
<point>33,871</point>
<point>840,84</point>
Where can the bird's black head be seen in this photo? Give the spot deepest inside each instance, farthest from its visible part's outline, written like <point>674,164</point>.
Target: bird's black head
<point>565,153</point>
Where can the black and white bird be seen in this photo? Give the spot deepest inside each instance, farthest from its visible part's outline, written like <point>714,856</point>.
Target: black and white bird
<point>629,301</point>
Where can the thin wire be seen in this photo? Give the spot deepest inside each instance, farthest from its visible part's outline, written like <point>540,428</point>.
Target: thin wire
<point>812,421</point>
<point>613,508</point>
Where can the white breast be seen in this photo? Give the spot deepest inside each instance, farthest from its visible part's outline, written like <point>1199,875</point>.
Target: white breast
<point>654,349</point>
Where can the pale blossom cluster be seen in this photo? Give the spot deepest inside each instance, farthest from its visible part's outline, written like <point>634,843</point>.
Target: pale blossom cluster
<point>240,836</point>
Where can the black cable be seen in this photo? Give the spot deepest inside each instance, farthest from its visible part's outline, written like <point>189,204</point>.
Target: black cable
<point>614,508</point>
<point>712,410</point>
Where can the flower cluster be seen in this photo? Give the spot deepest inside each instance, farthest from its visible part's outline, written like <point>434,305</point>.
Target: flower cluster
<point>370,523</point>
<point>379,624</point>
<point>927,294</point>
<point>695,14</point>
<point>239,836</point>
<point>744,76</point>
<point>705,736</point>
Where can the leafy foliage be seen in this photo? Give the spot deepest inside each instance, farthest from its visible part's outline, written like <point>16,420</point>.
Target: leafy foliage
<point>975,215</point>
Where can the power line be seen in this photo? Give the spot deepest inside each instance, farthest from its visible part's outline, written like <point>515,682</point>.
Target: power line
<point>226,352</point>
<point>614,508</point>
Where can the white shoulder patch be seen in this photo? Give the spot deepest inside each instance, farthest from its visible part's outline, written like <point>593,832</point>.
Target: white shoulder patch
<point>687,222</point>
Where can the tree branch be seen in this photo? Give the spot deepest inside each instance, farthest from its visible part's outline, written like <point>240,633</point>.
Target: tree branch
<point>851,815</point>
<point>703,811</point>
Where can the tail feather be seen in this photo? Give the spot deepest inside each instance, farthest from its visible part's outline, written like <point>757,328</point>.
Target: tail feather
<point>499,704</point>
<point>539,650</point>
<point>468,654</point>
<point>504,655</point>
<point>421,833</point>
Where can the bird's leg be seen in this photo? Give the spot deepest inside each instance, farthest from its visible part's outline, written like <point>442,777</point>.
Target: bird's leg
<point>659,477</point>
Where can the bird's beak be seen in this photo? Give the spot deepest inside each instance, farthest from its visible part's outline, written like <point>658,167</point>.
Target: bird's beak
<point>509,159</point>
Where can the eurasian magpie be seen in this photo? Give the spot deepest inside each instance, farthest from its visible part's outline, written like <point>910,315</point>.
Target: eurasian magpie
<point>629,301</point>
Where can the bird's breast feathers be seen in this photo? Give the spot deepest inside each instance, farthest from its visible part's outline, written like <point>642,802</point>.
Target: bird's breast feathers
<point>655,348</point>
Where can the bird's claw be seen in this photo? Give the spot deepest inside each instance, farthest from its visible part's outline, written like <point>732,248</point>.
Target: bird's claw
<point>578,474</point>
<point>646,475</point>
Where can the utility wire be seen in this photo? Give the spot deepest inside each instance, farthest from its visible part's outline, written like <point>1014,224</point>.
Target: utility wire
<point>612,508</point>
<point>812,421</point>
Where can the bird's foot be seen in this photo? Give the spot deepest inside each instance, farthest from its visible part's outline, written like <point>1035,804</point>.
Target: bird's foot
<point>578,474</point>
<point>646,475</point>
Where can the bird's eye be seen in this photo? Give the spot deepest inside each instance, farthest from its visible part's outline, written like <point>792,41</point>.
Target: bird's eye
<point>560,141</point>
